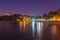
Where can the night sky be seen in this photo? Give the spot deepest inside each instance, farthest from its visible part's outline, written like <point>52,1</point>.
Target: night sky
<point>28,7</point>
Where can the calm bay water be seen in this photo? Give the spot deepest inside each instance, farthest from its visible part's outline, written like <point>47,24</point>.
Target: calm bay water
<point>34,31</point>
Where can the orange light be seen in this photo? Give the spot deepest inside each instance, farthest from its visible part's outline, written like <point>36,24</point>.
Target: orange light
<point>55,30</point>
<point>18,21</point>
<point>25,23</point>
<point>56,18</point>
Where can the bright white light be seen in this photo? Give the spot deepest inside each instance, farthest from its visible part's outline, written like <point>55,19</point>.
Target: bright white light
<point>33,27</point>
<point>39,28</point>
<point>41,24</point>
<point>20,25</point>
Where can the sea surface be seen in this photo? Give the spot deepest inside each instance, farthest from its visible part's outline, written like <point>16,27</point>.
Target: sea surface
<point>10,30</point>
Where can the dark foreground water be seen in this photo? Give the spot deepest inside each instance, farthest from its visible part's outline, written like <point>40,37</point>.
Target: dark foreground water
<point>9,30</point>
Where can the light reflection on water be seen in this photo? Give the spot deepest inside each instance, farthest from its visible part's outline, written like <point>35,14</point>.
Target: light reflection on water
<point>39,29</point>
<point>54,30</point>
<point>36,27</point>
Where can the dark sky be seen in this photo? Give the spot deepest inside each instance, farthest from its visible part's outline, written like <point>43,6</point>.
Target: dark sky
<point>28,7</point>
